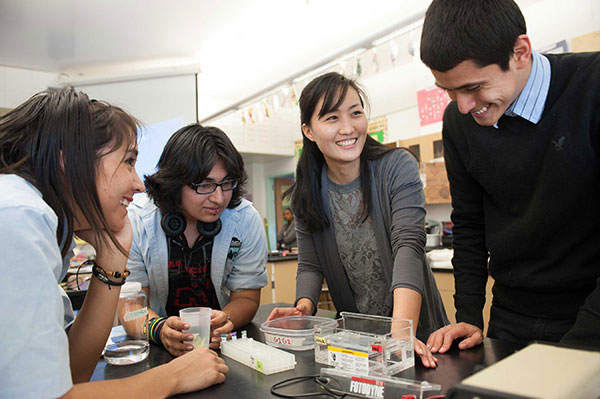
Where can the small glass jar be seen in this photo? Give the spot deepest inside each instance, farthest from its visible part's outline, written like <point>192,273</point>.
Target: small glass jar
<point>132,315</point>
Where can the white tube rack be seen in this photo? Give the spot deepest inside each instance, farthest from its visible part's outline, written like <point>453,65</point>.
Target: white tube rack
<point>256,355</point>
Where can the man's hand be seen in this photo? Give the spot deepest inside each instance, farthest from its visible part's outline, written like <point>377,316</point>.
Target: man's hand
<point>441,340</point>
<point>219,324</point>
<point>174,339</point>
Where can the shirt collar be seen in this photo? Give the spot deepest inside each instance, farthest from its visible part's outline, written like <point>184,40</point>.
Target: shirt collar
<point>532,99</point>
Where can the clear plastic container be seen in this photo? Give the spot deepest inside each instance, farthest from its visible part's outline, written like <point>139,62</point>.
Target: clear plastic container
<point>293,332</point>
<point>365,344</point>
<point>132,315</point>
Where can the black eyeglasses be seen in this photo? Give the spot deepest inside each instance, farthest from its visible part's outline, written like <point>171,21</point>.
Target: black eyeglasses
<point>207,188</point>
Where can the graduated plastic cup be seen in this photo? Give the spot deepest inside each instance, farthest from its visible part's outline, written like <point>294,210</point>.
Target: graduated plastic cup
<point>199,321</point>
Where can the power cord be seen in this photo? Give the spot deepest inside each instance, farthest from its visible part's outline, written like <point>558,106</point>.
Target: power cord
<point>327,391</point>
<point>322,382</point>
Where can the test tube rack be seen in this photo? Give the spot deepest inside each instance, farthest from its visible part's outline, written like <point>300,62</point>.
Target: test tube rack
<point>256,355</point>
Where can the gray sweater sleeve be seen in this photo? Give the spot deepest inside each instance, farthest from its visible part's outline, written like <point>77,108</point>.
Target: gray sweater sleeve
<point>407,201</point>
<point>309,279</point>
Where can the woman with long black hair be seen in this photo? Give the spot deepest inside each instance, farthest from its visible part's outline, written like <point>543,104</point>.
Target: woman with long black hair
<point>359,208</point>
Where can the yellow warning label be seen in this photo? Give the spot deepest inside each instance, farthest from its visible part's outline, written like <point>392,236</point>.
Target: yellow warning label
<point>347,351</point>
<point>320,340</point>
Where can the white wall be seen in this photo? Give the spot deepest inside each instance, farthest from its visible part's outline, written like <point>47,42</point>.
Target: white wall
<point>17,85</point>
<point>151,100</point>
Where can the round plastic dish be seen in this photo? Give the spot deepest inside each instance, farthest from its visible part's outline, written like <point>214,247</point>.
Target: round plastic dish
<point>292,332</point>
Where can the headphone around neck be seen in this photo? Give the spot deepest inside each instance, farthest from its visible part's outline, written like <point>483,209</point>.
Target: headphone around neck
<point>174,225</point>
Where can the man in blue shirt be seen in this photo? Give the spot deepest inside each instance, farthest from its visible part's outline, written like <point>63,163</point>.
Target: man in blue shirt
<point>196,241</point>
<point>521,144</point>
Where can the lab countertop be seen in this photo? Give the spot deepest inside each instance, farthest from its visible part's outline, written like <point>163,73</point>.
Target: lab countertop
<point>244,382</point>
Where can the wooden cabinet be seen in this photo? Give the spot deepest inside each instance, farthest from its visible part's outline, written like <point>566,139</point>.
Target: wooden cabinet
<point>282,282</point>
<point>281,286</point>
<point>445,283</point>
<point>429,150</point>
<point>437,187</point>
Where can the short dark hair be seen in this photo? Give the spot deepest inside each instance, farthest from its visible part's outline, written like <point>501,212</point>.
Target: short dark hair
<point>484,31</point>
<point>306,190</point>
<point>188,157</point>
<point>62,125</point>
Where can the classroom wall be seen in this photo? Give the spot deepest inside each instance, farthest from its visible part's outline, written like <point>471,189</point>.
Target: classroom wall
<point>392,93</point>
<point>151,100</point>
<point>17,85</point>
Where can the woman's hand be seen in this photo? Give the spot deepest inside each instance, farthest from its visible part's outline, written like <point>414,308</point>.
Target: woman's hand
<point>219,324</point>
<point>425,354</point>
<point>173,339</point>
<point>301,309</point>
<point>197,370</point>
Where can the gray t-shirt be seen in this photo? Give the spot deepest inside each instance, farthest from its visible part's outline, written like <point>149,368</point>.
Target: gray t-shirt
<point>358,249</point>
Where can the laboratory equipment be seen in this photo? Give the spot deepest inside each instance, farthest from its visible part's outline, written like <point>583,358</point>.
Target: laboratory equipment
<point>261,357</point>
<point>293,332</point>
<point>365,344</point>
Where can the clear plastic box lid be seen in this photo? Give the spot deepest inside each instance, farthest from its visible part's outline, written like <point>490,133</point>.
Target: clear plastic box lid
<point>293,325</point>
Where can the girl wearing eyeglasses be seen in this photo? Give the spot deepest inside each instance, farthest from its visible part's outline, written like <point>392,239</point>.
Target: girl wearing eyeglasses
<point>196,241</point>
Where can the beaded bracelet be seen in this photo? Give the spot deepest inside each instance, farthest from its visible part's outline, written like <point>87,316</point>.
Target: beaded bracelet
<point>102,275</point>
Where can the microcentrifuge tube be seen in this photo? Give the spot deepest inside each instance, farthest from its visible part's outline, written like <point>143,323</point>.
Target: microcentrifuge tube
<point>244,334</point>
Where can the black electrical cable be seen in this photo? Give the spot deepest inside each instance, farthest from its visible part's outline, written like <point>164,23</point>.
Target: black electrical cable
<point>328,392</point>
<point>322,382</point>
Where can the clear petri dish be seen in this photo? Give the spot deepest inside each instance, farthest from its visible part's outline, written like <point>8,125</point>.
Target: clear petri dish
<point>292,332</point>
<point>127,352</point>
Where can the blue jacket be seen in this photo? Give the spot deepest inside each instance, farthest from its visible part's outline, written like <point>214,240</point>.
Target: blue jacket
<point>231,270</point>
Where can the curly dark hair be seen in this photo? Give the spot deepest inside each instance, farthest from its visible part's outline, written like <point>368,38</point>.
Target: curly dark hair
<point>188,157</point>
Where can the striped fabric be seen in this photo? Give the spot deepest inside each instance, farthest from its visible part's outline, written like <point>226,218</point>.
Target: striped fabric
<point>531,101</point>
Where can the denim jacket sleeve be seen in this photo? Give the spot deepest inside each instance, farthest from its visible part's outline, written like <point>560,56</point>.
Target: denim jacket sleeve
<point>247,267</point>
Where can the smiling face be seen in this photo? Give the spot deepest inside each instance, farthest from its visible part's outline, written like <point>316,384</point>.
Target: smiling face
<point>341,133</point>
<point>116,182</point>
<point>486,92</point>
<point>206,207</point>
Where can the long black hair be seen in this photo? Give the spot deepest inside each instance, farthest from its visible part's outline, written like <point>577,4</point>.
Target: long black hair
<point>188,157</point>
<point>306,190</point>
<point>55,140</point>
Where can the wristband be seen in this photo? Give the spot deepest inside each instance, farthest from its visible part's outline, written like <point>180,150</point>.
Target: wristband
<point>102,275</point>
<point>155,324</point>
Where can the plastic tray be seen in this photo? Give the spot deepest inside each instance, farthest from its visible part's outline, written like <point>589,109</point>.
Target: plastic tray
<point>293,332</point>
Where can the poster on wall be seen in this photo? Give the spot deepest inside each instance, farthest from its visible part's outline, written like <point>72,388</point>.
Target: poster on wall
<point>297,149</point>
<point>377,129</point>
<point>432,102</point>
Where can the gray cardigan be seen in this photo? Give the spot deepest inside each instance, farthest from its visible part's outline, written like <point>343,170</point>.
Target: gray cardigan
<point>398,217</point>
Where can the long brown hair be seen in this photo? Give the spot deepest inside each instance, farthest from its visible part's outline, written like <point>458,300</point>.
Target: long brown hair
<point>55,141</point>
